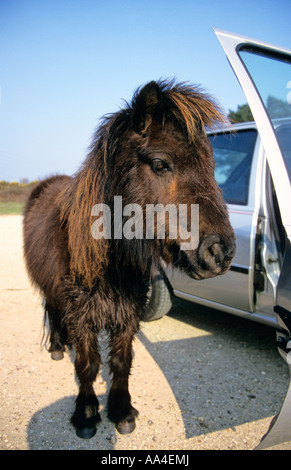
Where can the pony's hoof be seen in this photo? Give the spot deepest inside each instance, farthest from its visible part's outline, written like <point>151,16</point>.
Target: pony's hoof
<point>57,355</point>
<point>86,433</point>
<point>125,427</point>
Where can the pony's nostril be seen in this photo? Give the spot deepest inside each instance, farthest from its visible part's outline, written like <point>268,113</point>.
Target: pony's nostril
<point>229,255</point>
<point>216,253</point>
<point>212,251</point>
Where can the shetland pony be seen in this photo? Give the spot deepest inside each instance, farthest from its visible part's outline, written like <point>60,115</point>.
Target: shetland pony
<point>153,151</point>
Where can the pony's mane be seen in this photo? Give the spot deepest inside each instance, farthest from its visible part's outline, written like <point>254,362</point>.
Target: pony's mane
<point>187,105</point>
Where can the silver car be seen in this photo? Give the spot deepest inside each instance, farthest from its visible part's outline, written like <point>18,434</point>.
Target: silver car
<point>253,169</point>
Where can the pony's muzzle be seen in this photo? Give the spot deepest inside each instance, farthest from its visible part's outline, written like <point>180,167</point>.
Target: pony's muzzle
<point>214,256</point>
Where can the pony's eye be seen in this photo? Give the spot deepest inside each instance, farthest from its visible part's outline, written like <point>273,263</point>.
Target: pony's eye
<point>159,166</point>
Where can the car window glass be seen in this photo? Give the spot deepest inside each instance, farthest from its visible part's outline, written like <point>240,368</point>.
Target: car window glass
<point>271,75</point>
<point>233,154</point>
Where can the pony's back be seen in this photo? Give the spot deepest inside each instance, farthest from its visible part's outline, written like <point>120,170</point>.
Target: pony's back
<point>43,234</point>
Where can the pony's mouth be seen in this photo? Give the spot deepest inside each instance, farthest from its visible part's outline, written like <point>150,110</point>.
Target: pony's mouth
<point>202,270</point>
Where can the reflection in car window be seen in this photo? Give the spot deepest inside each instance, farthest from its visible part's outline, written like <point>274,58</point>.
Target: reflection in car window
<point>233,154</point>
<point>272,77</point>
<point>283,132</point>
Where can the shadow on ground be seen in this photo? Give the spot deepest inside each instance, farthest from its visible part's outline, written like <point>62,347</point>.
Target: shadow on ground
<point>230,375</point>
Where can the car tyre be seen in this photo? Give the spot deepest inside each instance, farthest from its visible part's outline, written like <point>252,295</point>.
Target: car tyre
<point>159,298</point>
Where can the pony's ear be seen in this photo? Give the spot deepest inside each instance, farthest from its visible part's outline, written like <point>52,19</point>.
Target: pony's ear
<point>143,107</point>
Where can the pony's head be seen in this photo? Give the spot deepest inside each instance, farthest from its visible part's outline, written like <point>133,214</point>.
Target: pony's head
<point>154,152</point>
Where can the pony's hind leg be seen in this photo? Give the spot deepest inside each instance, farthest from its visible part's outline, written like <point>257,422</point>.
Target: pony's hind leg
<point>58,337</point>
<point>119,408</point>
<point>87,365</point>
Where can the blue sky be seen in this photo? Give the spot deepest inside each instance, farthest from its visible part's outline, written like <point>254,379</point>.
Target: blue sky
<point>64,64</point>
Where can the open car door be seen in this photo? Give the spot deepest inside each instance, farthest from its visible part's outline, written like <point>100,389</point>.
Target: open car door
<point>264,73</point>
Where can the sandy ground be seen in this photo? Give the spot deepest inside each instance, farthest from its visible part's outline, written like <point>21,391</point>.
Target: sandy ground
<point>201,379</point>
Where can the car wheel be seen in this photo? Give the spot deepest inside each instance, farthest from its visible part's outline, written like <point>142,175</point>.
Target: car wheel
<point>159,298</point>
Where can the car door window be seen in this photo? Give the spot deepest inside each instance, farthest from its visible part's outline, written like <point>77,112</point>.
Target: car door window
<point>233,157</point>
<point>272,77</point>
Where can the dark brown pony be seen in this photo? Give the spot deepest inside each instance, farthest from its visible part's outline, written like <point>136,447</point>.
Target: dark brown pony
<point>153,151</point>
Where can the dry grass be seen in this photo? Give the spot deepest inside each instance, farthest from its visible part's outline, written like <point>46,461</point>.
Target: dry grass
<point>13,196</point>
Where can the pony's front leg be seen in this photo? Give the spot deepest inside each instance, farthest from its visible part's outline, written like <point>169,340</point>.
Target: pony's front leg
<point>119,408</point>
<point>87,365</point>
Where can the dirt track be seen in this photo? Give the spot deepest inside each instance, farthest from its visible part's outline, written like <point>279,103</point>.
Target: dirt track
<point>201,379</point>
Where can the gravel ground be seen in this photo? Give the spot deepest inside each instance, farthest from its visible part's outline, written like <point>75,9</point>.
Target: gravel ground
<point>201,379</point>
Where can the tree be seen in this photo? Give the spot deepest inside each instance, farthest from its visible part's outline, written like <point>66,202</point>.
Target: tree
<point>278,108</point>
<point>242,114</point>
